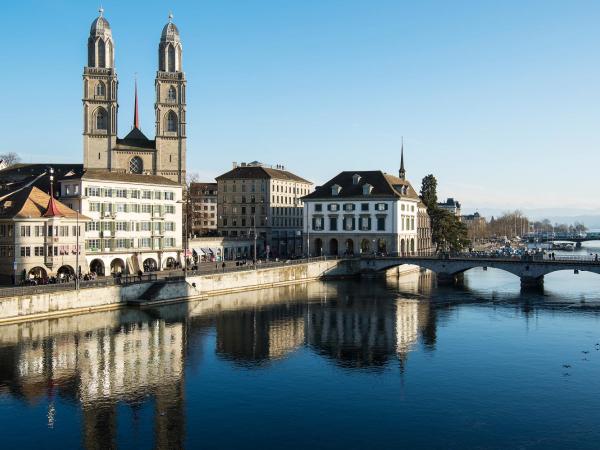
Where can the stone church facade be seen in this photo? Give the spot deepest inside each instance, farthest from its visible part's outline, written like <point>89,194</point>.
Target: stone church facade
<point>135,153</point>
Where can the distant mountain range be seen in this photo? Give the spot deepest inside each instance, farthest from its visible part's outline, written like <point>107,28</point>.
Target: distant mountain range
<point>589,217</point>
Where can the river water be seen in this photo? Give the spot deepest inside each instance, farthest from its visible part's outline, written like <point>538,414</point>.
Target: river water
<point>378,363</point>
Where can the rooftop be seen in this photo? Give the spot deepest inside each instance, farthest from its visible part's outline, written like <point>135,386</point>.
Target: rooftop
<point>383,185</point>
<point>256,170</point>
<point>31,202</point>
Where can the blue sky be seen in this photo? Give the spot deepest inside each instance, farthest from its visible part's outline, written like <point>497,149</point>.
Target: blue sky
<point>500,100</point>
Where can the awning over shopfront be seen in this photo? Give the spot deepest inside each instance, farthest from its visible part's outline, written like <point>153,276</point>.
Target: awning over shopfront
<point>198,251</point>
<point>214,251</point>
<point>206,251</point>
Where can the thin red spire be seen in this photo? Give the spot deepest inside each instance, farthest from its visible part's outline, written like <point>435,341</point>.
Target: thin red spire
<point>136,117</point>
<point>52,208</point>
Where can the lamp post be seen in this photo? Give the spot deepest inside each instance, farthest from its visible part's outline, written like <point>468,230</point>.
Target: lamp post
<point>77,250</point>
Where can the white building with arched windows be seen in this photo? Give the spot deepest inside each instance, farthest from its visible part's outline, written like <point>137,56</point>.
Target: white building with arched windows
<point>363,213</point>
<point>135,153</point>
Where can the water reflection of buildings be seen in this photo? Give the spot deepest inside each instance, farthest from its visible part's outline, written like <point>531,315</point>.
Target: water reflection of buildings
<point>101,367</point>
<point>136,358</point>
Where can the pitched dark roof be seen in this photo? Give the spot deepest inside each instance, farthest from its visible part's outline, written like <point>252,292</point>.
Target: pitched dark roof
<point>384,186</point>
<point>31,202</point>
<point>135,138</point>
<point>105,175</point>
<point>19,175</point>
<point>260,172</point>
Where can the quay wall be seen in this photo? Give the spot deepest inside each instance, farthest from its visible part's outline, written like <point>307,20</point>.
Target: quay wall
<point>71,302</point>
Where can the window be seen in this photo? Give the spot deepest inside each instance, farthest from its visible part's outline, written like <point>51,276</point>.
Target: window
<point>364,206</point>
<point>93,244</point>
<point>39,251</point>
<point>25,231</point>
<point>349,207</point>
<point>169,226</point>
<point>349,223</point>
<point>25,251</point>
<point>122,193</point>
<point>317,223</point>
<point>169,209</point>
<point>381,206</point>
<point>121,226</point>
<point>333,223</point>
<point>335,189</point>
<point>147,209</point>
<point>136,165</point>
<point>318,207</point>
<point>101,119</point>
<point>381,224</point>
<point>100,89</point>
<point>171,121</point>
<point>365,223</point>
<point>172,94</point>
<point>333,207</point>
<point>145,242</point>
<point>147,195</point>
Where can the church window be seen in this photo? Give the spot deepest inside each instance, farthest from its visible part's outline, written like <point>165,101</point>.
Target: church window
<point>100,89</point>
<point>171,58</point>
<point>136,165</point>
<point>101,119</point>
<point>101,54</point>
<point>171,121</point>
<point>172,95</point>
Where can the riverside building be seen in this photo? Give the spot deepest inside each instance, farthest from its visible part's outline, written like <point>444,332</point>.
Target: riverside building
<point>135,220</point>
<point>364,212</point>
<point>40,237</point>
<point>203,203</point>
<point>263,201</point>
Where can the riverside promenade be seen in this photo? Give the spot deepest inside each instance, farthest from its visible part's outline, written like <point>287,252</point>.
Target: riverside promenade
<point>38,302</point>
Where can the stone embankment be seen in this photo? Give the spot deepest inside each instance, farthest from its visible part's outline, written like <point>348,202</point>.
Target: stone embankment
<point>70,302</point>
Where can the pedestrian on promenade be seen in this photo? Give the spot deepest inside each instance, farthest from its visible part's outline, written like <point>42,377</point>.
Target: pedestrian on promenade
<point>596,258</point>
<point>223,266</point>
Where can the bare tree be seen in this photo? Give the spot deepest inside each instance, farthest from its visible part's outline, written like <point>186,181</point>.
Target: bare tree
<point>9,159</point>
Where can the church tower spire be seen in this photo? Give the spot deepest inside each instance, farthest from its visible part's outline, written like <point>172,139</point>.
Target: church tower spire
<point>402,172</point>
<point>136,117</point>
<point>170,106</point>
<point>99,97</point>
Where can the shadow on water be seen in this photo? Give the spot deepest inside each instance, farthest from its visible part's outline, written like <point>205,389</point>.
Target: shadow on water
<point>122,375</point>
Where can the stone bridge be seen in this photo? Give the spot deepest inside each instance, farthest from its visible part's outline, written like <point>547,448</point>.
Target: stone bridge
<point>449,270</point>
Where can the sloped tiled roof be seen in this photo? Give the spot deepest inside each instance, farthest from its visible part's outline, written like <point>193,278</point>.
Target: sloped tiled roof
<point>31,202</point>
<point>384,185</point>
<point>105,175</point>
<point>260,172</point>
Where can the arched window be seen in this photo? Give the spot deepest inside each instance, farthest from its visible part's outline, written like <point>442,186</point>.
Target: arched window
<point>110,53</point>
<point>171,58</point>
<point>100,89</point>
<point>172,95</point>
<point>136,165</point>
<point>171,121</point>
<point>101,119</point>
<point>101,54</point>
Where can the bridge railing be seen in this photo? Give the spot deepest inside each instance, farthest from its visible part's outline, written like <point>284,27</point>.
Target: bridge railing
<point>478,256</point>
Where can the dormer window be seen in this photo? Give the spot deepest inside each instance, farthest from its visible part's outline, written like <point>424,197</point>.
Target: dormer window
<point>335,189</point>
<point>366,189</point>
<point>355,179</point>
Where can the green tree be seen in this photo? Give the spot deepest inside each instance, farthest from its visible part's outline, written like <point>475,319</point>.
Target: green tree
<point>429,193</point>
<point>448,233</point>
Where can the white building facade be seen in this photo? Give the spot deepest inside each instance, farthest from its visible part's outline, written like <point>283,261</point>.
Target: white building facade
<point>362,213</point>
<point>135,220</point>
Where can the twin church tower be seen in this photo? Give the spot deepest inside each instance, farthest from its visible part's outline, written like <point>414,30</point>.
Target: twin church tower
<point>135,153</point>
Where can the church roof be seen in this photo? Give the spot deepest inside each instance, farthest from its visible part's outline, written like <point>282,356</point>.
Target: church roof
<point>135,138</point>
<point>383,185</point>
<point>105,175</point>
<point>32,202</point>
<point>170,32</point>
